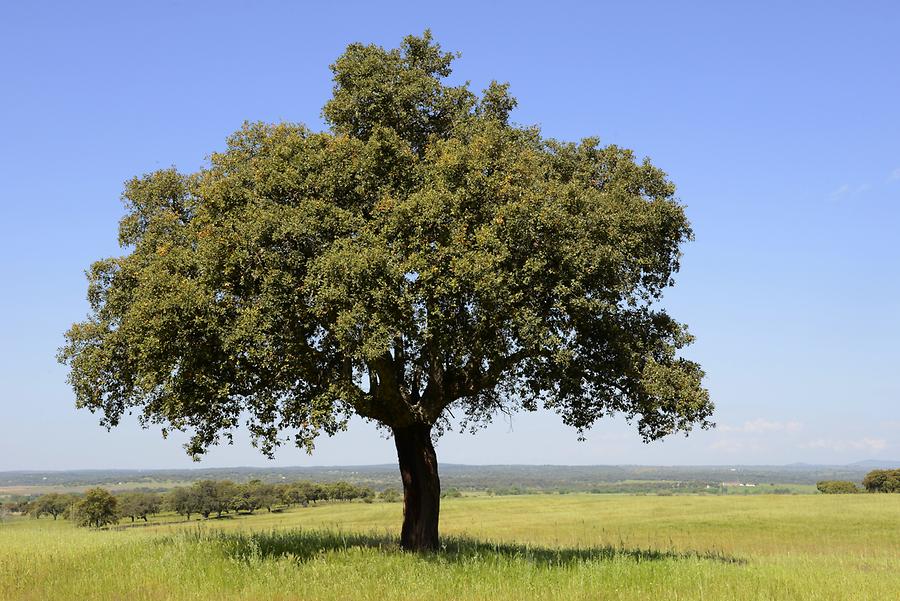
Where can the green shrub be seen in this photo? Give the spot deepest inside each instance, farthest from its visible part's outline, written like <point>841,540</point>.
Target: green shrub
<point>97,508</point>
<point>390,495</point>
<point>882,481</point>
<point>837,487</point>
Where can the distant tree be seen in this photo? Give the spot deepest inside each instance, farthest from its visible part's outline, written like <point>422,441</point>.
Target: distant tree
<point>54,504</point>
<point>183,501</point>
<point>138,505</point>
<point>247,497</point>
<point>390,495</point>
<point>837,487</point>
<point>423,256</point>
<point>35,508</point>
<point>303,492</point>
<point>282,493</point>
<point>97,508</point>
<point>151,504</point>
<point>225,491</point>
<point>206,497</point>
<point>345,491</point>
<point>254,495</point>
<point>293,494</point>
<point>340,491</point>
<point>127,503</point>
<point>315,492</point>
<point>451,493</point>
<point>19,506</point>
<point>882,481</point>
<point>68,501</point>
<point>266,494</point>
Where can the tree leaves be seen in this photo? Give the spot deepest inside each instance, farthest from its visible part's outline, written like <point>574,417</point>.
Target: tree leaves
<point>423,254</point>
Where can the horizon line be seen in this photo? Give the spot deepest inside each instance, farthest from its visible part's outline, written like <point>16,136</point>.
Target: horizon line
<point>861,463</point>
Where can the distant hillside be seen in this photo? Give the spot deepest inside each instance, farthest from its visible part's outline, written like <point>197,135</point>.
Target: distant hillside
<point>527,477</point>
<point>877,464</point>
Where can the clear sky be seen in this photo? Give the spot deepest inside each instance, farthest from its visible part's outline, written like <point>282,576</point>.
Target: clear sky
<point>779,123</point>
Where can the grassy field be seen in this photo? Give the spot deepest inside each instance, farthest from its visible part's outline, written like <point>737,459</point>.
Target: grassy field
<point>524,547</point>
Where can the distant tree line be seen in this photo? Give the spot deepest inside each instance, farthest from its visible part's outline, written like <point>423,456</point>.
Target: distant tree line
<point>98,507</point>
<point>876,481</point>
<point>207,498</point>
<point>219,497</point>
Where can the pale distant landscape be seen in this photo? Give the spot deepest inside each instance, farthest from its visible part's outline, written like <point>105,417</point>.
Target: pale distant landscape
<point>501,479</point>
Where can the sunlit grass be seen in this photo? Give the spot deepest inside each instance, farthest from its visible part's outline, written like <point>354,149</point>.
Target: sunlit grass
<point>539,547</point>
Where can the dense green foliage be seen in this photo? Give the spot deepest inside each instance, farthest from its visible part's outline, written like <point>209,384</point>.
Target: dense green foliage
<point>53,504</point>
<point>99,507</point>
<point>423,258</point>
<point>223,496</point>
<point>837,487</point>
<point>138,505</point>
<point>882,481</point>
<point>390,495</point>
<point>96,508</point>
<point>423,254</point>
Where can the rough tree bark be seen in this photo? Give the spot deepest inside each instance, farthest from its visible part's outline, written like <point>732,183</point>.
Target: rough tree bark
<point>421,487</point>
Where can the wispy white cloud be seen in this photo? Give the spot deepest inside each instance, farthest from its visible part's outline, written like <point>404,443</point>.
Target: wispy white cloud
<point>839,193</point>
<point>861,444</point>
<point>752,436</point>
<point>733,445</point>
<point>763,426</point>
<point>847,191</point>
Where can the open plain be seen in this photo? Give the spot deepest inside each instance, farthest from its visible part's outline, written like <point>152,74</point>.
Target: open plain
<point>541,546</point>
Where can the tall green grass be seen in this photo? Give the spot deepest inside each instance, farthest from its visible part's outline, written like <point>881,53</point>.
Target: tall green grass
<point>532,547</point>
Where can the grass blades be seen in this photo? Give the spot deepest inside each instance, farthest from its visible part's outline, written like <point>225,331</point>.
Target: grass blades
<point>534,547</point>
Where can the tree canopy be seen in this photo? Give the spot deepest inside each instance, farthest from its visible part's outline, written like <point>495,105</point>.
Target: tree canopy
<point>422,259</point>
<point>837,487</point>
<point>882,481</point>
<point>97,508</point>
<point>54,504</point>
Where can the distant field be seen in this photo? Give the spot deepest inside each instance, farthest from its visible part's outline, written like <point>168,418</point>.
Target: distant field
<point>500,478</point>
<point>520,547</point>
<point>624,487</point>
<point>42,489</point>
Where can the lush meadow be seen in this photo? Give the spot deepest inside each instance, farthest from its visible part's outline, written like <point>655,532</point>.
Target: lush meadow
<point>533,546</point>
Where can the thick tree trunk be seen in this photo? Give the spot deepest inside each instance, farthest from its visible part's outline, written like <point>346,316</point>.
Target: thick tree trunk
<point>421,488</point>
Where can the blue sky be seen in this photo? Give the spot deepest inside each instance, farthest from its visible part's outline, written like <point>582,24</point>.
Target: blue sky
<point>778,122</point>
